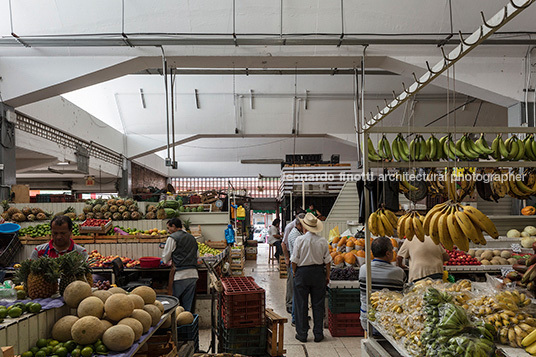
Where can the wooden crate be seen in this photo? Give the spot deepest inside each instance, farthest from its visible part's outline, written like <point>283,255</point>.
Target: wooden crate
<point>106,239</point>
<point>221,244</point>
<point>283,273</point>
<point>276,331</point>
<point>251,256</point>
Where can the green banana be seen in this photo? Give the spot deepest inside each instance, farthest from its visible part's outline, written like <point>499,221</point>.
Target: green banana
<point>380,149</point>
<point>465,148</point>
<point>483,146</point>
<point>496,154</point>
<point>423,150</point>
<point>521,149</point>
<point>502,148</point>
<point>447,151</point>
<point>454,150</point>
<point>396,151</point>
<point>403,148</point>
<point>387,149</point>
<point>527,142</point>
<point>512,147</point>
<point>432,148</point>
<point>413,148</point>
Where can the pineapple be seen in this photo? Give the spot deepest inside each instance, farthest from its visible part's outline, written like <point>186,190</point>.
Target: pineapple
<point>133,208</point>
<point>26,211</point>
<point>40,277</point>
<point>108,215</point>
<point>129,202</point>
<point>36,211</point>
<point>105,208</point>
<point>113,208</point>
<point>71,266</point>
<point>81,217</point>
<point>120,202</point>
<point>122,209</point>
<point>90,215</point>
<point>97,208</point>
<point>126,215</point>
<point>6,216</point>
<point>116,216</point>
<point>18,217</point>
<point>88,208</point>
<point>110,202</point>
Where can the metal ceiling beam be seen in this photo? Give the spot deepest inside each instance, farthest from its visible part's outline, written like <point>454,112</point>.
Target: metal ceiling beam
<point>152,40</point>
<point>256,72</point>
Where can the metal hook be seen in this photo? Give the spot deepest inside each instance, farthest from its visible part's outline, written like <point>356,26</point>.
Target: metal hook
<point>512,2</point>
<point>471,44</point>
<point>430,69</point>
<point>451,59</point>
<point>394,96</point>
<point>500,22</point>
<point>417,80</point>
<point>405,90</point>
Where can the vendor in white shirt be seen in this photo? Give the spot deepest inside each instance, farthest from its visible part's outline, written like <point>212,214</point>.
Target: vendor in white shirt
<point>275,237</point>
<point>181,248</point>
<point>311,267</point>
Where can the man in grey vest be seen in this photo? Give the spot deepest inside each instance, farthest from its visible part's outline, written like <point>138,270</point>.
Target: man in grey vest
<point>181,248</point>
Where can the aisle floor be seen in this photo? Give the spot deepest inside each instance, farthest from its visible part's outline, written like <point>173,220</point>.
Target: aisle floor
<point>267,276</point>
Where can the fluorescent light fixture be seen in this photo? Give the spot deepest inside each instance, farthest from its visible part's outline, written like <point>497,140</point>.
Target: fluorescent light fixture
<point>63,162</point>
<point>262,161</point>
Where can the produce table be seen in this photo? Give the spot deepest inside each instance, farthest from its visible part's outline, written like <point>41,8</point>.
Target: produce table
<point>24,331</point>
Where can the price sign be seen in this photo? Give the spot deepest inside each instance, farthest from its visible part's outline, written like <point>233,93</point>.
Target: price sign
<point>506,270</point>
<point>516,247</point>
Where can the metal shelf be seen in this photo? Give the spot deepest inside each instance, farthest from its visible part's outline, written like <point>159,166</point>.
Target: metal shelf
<point>400,349</point>
<point>440,164</point>
<point>451,129</point>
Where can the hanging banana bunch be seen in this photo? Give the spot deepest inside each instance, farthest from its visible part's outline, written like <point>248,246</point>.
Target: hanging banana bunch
<point>384,149</point>
<point>450,224</point>
<point>411,225</point>
<point>382,223</point>
<point>518,188</point>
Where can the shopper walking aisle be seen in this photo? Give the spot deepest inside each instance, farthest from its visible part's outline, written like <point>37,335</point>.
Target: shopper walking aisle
<point>267,276</point>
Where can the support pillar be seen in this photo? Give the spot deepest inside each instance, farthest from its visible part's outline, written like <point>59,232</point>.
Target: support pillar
<point>8,167</point>
<point>125,182</point>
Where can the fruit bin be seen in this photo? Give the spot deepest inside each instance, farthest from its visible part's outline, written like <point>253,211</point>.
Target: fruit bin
<point>95,229</point>
<point>344,300</point>
<point>345,325</point>
<point>189,332</point>
<point>275,333</point>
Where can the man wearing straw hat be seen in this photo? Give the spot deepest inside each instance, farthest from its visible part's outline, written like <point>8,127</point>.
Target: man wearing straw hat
<point>311,268</point>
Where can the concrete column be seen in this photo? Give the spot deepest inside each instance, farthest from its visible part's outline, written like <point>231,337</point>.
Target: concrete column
<point>125,182</point>
<point>8,167</point>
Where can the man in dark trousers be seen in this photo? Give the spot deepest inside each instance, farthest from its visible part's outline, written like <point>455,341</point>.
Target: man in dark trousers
<point>181,248</point>
<point>311,268</point>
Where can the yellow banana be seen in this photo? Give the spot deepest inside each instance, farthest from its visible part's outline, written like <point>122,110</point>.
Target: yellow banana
<point>456,233</point>
<point>373,223</point>
<point>481,220</point>
<point>400,229</point>
<point>417,227</point>
<point>444,236</point>
<point>467,226</point>
<point>409,232</point>
<point>388,228</point>
<point>428,217</point>
<point>392,217</point>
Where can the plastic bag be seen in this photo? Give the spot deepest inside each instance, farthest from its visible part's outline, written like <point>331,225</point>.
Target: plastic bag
<point>333,233</point>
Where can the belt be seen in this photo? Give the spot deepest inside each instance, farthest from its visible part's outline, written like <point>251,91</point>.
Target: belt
<point>312,266</point>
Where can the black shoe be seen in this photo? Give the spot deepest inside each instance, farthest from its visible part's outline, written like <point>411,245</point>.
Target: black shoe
<point>289,310</point>
<point>319,338</point>
<point>304,340</point>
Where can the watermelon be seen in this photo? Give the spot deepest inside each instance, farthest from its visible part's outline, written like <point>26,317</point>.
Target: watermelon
<point>166,213</point>
<point>168,204</point>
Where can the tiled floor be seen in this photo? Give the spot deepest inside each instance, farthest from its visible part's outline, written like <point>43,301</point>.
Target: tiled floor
<point>267,276</point>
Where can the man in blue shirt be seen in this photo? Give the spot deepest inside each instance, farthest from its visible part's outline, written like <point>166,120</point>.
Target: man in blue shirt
<point>229,235</point>
<point>384,275</point>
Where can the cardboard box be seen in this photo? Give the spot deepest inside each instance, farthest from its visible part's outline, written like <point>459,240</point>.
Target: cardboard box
<point>8,351</point>
<point>251,250</point>
<point>251,256</point>
<point>22,193</point>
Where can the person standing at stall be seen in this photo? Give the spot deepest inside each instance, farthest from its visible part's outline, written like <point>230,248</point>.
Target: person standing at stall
<point>181,249</point>
<point>61,228</point>
<point>311,268</point>
<point>425,259</point>
<point>274,238</point>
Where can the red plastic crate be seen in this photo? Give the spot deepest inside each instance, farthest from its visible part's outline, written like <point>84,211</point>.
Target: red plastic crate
<point>345,325</point>
<point>240,311</point>
<point>240,285</point>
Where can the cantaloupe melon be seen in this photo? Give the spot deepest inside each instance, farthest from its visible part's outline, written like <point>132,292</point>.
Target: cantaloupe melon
<point>116,290</point>
<point>102,294</point>
<point>144,317</point>
<point>185,318</point>
<point>159,305</point>
<point>61,330</point>
<point>167,323</point>
<point>154,312</point>
<point>106,325</point>
<point>135,325</point>
<point>76,292</point>
<point>147,293</point>
<point>118,338</point>
<point>91,306</point>
<point>118,306</point>
<point>137,301</point>
<point>179,309</point>
<point>87,330</point>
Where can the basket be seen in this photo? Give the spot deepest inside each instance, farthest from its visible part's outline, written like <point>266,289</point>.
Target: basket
<point>344,300</point>
<point>7,228</point>
<point>249,341</point>
<point>10,249</point>
<point>189,332</point>
<point>149,262</point>
<point>93,229</point>
<point>345,325</point>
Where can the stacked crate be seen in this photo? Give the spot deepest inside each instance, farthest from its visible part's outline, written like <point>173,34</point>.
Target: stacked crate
<point>344,303</point>
<point>241,319</point>
<point>238,260</point>
<point>251,250</point>
<point>283,272</point>
<point>190,332</point>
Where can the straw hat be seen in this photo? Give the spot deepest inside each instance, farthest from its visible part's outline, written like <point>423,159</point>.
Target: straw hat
<point>311,223</point>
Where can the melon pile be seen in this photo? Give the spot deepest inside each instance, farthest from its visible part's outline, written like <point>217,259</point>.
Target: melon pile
<point>114,316</point>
